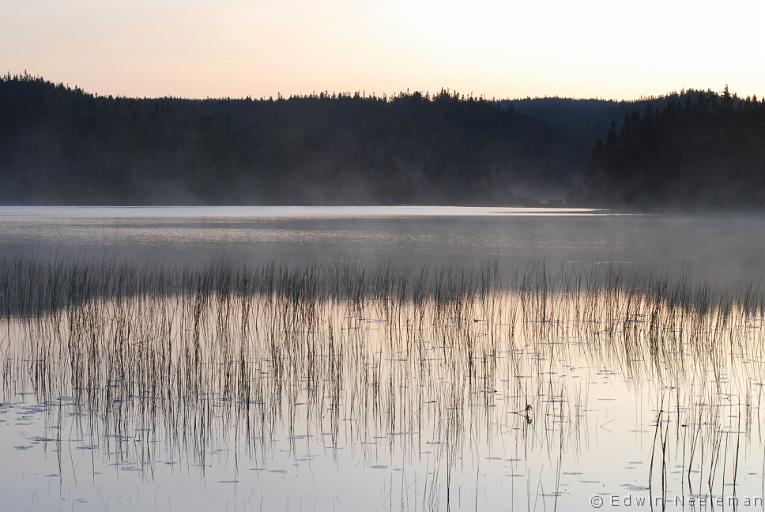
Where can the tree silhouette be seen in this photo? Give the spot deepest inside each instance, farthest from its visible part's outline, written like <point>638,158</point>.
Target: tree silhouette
<point>703,151</point>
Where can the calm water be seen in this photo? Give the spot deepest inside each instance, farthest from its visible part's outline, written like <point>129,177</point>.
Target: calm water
<point>547,395</point>
<point>711,247</point>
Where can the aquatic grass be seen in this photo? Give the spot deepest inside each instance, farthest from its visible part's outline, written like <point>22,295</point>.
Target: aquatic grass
<point>193,360</point>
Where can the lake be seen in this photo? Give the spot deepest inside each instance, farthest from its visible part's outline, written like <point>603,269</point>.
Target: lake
<point>711,247</point>
<point>380,358</point>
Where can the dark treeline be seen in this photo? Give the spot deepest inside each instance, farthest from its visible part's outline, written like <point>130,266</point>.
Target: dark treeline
<point>586,119</point>
<point>61,145</point>
<point>700,149</point>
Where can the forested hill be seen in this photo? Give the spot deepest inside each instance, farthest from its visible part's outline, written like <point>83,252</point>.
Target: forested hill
<point>62,145</point>
<point>586,119</point>
<point>700,150</point>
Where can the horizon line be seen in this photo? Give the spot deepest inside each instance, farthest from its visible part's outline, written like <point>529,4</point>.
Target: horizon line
<point>363,94</point>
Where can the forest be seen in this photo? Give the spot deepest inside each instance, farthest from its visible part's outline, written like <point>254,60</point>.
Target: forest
<point>699,150</point>
<point>62,145</point>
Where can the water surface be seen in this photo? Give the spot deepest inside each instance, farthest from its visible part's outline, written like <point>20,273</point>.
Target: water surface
<point>713,247</point>
<point>490,359</point>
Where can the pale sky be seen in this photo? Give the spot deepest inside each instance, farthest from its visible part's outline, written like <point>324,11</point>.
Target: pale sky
<point>207,48</point>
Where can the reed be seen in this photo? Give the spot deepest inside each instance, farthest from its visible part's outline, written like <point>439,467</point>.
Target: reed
<point>191,360</point>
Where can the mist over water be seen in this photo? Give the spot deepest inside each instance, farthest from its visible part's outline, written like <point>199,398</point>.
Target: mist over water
<point>714,248</point>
